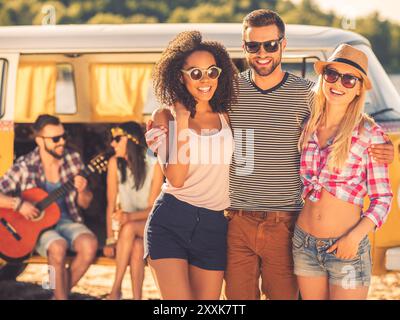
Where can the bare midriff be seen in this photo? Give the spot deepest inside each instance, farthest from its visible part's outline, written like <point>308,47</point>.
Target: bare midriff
<point>329,217</point>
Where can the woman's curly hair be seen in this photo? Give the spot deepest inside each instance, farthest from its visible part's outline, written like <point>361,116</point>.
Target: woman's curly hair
<point>167,73</point>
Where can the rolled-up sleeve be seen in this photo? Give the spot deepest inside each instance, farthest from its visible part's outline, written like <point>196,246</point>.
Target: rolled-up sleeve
<point>10,182</point>
<point>378,185</point>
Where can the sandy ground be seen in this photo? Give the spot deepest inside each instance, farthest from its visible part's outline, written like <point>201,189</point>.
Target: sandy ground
<point>98,280</point>
<point>96,284</point>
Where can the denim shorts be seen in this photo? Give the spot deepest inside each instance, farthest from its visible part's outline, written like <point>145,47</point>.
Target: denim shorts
<point>177,229</point>
<point>312,260</point>
<point>65,229</point>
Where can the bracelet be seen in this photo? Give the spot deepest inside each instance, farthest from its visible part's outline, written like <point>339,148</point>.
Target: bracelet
<point>17,202</point>
<point>110,241</point>
<point>19,205</point>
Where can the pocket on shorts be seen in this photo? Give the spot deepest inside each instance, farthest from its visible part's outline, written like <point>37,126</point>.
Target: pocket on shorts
<point>362,252</point>
<point>354,259</point>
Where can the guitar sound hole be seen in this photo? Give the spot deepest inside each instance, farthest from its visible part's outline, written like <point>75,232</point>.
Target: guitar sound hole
<point>39,217</point>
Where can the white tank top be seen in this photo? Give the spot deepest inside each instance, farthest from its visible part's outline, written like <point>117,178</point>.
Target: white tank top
<point>131,199</point>
<point>207,182</point>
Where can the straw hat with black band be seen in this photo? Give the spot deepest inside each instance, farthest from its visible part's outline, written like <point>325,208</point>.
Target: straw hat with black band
<point>349,56</point>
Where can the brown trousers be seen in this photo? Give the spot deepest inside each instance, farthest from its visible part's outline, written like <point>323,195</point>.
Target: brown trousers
<point>260,244</point>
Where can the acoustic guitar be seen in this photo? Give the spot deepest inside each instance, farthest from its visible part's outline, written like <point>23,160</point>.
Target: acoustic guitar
<point>18,236</point>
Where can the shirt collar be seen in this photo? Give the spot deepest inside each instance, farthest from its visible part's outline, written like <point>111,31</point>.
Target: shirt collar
<point>314,139</point>
<point>36,161</point>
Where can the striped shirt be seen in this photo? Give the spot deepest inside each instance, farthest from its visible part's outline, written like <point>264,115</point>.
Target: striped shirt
<point>267,124</point>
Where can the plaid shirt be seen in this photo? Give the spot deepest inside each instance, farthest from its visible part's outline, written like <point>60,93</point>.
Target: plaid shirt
<point>359,176</point>
<point>27,172</point>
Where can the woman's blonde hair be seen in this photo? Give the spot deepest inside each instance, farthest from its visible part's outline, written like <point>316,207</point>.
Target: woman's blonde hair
<point>354,116</point>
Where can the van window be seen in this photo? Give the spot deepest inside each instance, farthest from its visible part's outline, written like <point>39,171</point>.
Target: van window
<point>65,90</point>
<point>119,91</point>
<point>3,86</point>
<point>301,67</point>
<point>36,90</point>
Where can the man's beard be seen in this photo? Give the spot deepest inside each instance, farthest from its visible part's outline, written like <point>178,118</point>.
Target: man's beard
<point>54,154</point>
<point>262,71</point>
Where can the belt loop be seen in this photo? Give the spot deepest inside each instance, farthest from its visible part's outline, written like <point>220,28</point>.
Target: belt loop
<point>240,212</point>
<point>306,243</point>
<point>276,217</point>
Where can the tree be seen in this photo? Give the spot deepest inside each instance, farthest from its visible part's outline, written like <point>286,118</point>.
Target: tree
<point>203,14</point>
<point>106,18</point>
<point>307,12</point>
<point>378,33</point>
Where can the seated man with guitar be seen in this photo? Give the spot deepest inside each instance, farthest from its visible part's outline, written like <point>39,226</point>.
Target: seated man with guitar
<point>56,170</point>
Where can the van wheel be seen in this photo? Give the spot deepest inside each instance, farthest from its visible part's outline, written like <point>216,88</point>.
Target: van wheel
<point>10,271</point>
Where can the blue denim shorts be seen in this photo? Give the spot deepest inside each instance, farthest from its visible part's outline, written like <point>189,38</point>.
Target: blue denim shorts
<point>177,229</point>
<point>65,229</point>
<point>312,260</point>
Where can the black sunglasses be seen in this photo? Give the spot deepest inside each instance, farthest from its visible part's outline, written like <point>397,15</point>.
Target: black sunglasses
<point>117,139</point>
<point>56,139</point>
<point>198,74</point>
<point>269,46</point>
<point>348,80</point>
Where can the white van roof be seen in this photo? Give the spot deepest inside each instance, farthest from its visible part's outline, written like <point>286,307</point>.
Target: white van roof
<point>153,37</point>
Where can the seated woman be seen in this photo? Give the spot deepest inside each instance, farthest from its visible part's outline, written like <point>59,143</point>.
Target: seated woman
<point>331,249</point>
<point>137,180</point>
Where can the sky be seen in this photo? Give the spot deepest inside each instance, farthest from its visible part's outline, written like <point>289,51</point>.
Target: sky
<point>389,9</point>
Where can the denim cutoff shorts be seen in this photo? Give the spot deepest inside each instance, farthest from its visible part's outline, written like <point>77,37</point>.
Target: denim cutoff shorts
<point>312,260</point>
<point>67,230</point>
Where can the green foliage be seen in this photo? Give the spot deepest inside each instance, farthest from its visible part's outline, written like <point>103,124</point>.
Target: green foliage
<point>203,13</point>
<point>378,33</point>
<point>383,35</point>
<point>308,13</point>
<point>106,18</point>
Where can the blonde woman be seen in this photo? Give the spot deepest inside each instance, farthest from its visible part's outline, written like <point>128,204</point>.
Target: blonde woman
<point>331,250</point>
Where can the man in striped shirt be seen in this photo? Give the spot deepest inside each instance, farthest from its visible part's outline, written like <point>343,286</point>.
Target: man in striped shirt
<point>265,184</point>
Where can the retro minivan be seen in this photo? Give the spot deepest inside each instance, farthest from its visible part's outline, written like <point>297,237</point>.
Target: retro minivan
<point>92,76</point>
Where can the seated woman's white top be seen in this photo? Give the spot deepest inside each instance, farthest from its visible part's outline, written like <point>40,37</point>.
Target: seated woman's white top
<point>131,199</point>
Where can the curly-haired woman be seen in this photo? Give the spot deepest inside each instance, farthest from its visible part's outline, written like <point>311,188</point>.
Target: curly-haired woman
<point>185,238</point>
